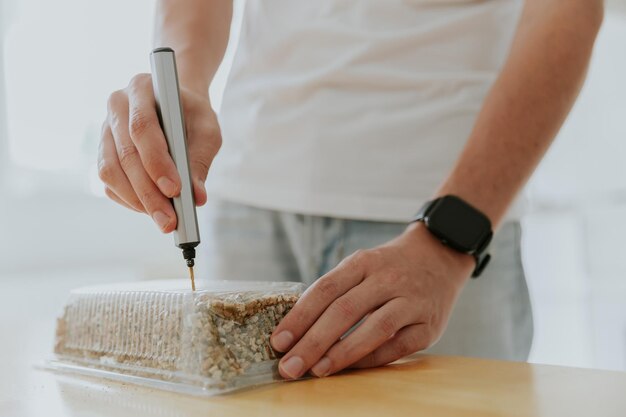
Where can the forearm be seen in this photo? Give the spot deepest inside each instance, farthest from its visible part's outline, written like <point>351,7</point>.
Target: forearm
<point>198,30</point>
<point>527,104</point>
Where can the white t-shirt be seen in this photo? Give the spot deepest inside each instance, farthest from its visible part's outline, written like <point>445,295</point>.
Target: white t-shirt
<point>355,109</point>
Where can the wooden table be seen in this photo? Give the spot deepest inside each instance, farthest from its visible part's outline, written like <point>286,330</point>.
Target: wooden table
<point>421,386</point>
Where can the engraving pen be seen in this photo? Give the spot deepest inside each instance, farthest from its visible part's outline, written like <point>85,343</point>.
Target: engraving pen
<point>170,113</point>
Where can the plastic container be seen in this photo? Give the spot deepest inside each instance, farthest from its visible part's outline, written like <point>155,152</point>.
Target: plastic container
<point>158,334</point>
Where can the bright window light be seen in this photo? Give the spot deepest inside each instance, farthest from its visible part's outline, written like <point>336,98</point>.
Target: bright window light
<point>62,60</point>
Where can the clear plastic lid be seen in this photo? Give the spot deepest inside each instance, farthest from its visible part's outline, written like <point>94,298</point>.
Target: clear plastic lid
<point>160,334</point>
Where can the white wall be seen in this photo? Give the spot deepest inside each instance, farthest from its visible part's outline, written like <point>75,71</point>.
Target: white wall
<point>59,218</point>
<point>574,238</point>
<point>4,17</point>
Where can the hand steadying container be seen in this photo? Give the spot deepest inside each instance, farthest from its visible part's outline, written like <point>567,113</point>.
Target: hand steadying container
<point>170,113</point>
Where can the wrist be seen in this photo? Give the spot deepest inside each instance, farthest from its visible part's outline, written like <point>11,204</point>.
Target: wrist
<point>197,95</point>
<point>418,237</point>
<point>190,79</point>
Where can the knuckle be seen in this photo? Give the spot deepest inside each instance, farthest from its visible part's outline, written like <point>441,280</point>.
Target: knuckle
<point>127,155</point>
<point>202,166</point>
<point>358,260</point>
<point>116,97</point>
<point>150,200</point>
<point>327,287</point>
<point>140,123</point>
<point>345,306</point>
<point>315,346</point>
<point>359,254</point>
<point>140,79</point>
<point>105,171</point>
<point>387,325</point>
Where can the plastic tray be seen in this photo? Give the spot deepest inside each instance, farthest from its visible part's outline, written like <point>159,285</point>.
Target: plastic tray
<point>158,334</point>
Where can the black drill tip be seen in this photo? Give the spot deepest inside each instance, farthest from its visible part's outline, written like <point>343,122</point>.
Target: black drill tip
<point>189,254</point>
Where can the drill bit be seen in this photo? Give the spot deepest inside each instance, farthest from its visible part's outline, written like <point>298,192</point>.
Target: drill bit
<point>193,283</point>
<point>189,253</point>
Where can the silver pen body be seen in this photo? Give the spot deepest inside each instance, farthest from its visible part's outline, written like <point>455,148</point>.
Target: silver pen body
<point>170,112</point>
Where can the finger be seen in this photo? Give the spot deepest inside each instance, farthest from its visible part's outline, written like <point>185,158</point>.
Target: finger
<point>348,274</point>
<point>204,143</point>
<point>379,327</point>
<point>147,135</point>
<point>109,193</point>
<point>199,192</point>
<point>335,321</point>
<point>112,174</point>
<point>155,203</point>
<point>408,340</point>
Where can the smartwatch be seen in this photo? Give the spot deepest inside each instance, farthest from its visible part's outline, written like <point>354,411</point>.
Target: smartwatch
<point>459,226</point>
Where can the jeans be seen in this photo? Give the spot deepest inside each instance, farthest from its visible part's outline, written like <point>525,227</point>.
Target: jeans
<point>492,317</point>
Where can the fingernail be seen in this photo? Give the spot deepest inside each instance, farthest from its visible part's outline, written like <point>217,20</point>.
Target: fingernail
<point>199,183</point>
<point>282,341</point>
<point>161,219</point>
<point>167,186</point>
<point>322,368</point>
<point>293,367</point>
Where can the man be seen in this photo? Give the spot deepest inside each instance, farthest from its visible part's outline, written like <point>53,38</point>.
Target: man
<point>340,120</point>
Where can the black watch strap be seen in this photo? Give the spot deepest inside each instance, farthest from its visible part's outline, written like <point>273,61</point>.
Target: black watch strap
<point>480,254</point>
<point>481,263</point>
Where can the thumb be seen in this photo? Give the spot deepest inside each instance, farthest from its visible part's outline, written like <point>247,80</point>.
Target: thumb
<point>204,139</point>
<point>201,155</point>
<point>199,192</point>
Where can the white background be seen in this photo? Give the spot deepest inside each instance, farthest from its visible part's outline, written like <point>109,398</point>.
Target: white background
<point>60,60</point>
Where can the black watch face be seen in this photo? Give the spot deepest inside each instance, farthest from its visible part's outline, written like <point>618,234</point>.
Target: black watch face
<point>458,224</point>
